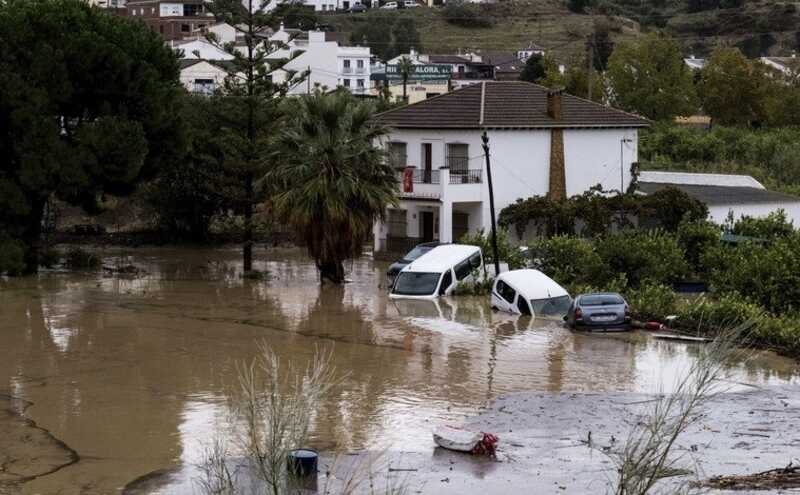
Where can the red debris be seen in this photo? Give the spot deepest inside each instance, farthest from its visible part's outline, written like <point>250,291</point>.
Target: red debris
<point>487,446</point>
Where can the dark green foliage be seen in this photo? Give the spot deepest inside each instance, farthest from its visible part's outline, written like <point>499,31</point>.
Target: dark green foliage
<point>295,15</point>
<point>189,192</point>
<point>602,46</point>
<point>653,256</point>
<point>88,106</point>
<point>508,253</point>
<point>332,183</point>
<point>766,273</point>
<point>770,155</point>
<point>80,259</point>
<point>464,14</point>
<point>652,301</point>
<point>566,259</point>
<point>579,6</point>
<point>696,238</point>
<point>12,256</point>
<point>386,35</point>
<point>775,225</point>
<point>598,213</point>
<point>534,70</point>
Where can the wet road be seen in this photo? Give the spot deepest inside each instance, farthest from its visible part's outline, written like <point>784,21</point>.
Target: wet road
<point>133,373</point>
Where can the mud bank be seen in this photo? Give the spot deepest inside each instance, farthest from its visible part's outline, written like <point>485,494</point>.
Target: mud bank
<point>28,451</point>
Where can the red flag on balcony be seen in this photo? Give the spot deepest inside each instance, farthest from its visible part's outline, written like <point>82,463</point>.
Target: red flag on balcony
<point>408,180</point>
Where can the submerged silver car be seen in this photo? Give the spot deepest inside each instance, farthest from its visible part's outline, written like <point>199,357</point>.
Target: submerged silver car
<point>599,311</point>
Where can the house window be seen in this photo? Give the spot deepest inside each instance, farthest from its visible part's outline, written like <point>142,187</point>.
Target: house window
<point>204,86</point>
<point>458,158</point>
<point>346,83</point>
<point>360,83</point>
<point>360,64</point>
<point>397,223</point>
<point>192,10</point>
<point>346,66</point>
<point>397,154</point>
<point>185,28</point>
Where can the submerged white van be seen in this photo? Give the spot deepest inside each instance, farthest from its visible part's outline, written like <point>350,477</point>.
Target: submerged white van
<point>529,292</point>
<point>437,272</point>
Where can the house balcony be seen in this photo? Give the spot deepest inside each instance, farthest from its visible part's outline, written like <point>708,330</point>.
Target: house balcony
<point>441,184</point>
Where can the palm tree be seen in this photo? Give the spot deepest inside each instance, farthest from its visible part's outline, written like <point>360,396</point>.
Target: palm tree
<point>333,181</point>
<point>405,67</point>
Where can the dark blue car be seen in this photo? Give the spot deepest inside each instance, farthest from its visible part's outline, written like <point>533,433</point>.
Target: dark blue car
<point>606,311</point>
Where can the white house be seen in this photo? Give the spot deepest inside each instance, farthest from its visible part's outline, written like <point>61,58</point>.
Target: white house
<point>725,195</point>
<point>200,49</point>
<point>328,63</point>
<point>203,76</point>
<point>541,143</point>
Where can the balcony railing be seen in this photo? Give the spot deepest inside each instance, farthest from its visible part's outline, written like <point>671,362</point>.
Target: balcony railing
<point>347,70</point>
<point>359,70</point>
<point>474,176</point>
<point>422,176</point>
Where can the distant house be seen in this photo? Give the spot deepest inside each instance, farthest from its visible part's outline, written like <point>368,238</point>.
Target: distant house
<point>200,49</point>
<point>542,143</point>
<point>172,19</point>
<point>203,77</point>
<point>695,63</point>
<point>725,195</point>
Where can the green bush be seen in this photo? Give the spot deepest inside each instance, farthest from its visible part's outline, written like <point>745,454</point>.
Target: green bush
<point>711,315</point>
<point>80,259</point>
<point>696,238</point>
<point>766,273</point>
<point>460,13</point>
<point>772,226</point>
<point>507,251</point>
<point>12,257</point>
<point>641,255</point>
<point>652,302</point>
<point>566,259</point>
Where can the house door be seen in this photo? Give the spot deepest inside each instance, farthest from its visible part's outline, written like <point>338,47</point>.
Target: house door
<point>426,225</point>
<point>427,163</point>
<point>460,225</point>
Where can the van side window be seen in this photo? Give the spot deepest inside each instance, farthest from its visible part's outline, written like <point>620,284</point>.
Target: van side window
<point>463,269</point>
<point>447,281</point>
<point>475,260</point>
<point>523,307</point>
<point>505,291</point>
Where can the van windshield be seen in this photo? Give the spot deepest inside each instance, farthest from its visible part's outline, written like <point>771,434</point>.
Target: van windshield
<point>554,306</point>
<point>416,283</point>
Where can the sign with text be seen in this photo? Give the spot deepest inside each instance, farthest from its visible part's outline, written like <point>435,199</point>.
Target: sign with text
<point>438,72</point>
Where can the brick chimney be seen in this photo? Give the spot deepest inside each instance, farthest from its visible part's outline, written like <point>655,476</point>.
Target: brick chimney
<point>554,103</point>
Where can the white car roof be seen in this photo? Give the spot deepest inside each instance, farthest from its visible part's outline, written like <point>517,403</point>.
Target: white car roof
<point>532,284</point>
<point>441,258</point>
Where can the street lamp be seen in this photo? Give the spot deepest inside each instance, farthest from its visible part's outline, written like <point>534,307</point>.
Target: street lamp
<point>622,164</point>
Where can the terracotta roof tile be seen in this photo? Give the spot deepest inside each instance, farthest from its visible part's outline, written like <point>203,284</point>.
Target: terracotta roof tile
<point>507,104</point>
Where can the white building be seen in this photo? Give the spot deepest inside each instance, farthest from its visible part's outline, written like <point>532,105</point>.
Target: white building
<point>542,143</point>
<point>725,195</point>
<point>203,76</point>
<point>328,63</point>
<point>200,49</point>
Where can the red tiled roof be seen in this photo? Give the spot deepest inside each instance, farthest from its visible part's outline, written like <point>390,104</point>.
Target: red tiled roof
<point>505,104</point>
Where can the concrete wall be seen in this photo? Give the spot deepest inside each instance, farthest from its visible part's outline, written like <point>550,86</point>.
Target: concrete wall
<point>719,213</point>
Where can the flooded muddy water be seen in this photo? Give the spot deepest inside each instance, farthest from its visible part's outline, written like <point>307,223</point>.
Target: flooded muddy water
<point>132,373</point>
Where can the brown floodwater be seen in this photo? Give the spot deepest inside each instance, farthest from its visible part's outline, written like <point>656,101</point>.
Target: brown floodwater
<point>132,372</point>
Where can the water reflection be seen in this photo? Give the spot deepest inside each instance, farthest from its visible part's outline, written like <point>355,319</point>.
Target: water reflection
<point>134,372</point>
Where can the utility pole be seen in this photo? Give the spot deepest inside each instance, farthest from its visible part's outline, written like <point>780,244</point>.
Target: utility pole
<point>485,139</point>
<point>308,81</point>
<point>590,67</point>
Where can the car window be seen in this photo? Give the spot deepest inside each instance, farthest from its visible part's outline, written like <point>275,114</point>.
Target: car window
<point>463,269</point>
<point>523,307</point>
<point>601,300</point>
<point>416,283</point>
<point>506,292</point>
<point>475,260</point>
<point>554,306</point>
<point>447,281</point>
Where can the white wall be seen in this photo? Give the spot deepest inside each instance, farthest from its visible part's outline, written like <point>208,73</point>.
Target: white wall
<point>719,213</point>
<point>202,70</point>
<point>521,159</point>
